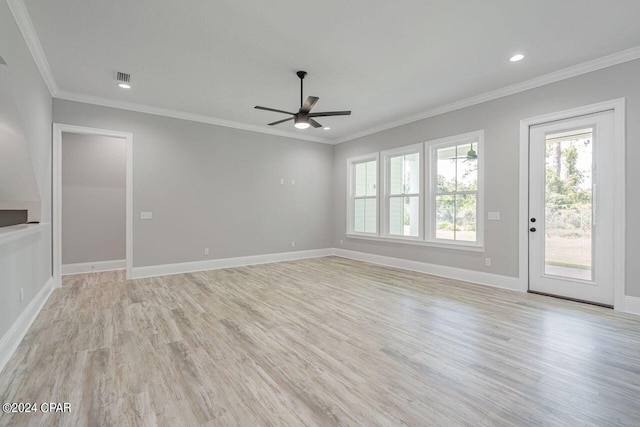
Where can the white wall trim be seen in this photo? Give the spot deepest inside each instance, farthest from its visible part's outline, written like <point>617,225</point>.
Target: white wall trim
<point>618,147</point>
<point>215,264</point>
<point>632,305</point>
<point>478,277</point>
<point>92,267</point>
<point>13,337</point>
<point>176,114</point>
<point>545,79</point>
<point>56,154</point>
<point>23,20</point>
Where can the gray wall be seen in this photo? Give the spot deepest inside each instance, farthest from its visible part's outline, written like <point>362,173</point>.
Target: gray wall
<point>94,171</point>
<point>17,178</point>
<point>215,187</point>
<point>33,103</point>
<point>501,121</point>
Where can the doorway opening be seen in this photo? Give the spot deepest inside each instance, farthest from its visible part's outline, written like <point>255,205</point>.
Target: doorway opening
<point>92,200</point>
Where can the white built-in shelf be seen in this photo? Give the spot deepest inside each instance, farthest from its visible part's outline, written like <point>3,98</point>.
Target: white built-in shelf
<point>16,232</point>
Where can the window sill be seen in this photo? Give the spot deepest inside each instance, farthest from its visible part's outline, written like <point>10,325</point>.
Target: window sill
<point>459,247</point>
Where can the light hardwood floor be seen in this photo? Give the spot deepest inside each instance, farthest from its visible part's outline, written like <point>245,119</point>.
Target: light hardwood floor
<point>326,341</point>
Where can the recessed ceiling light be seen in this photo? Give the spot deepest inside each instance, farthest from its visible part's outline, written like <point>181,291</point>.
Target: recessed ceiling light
<point>124,86</point>
<point>517,57</point>
<point>326,128</point>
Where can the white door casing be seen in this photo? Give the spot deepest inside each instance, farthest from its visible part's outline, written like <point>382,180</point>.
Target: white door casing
<point>617,148</point>
<point>58,130</point>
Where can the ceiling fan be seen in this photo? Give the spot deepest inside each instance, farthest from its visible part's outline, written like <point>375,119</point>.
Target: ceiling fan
<point>304,117</point>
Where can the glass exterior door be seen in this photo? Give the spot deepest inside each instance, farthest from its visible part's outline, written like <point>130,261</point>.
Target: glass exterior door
<point>571,208</point>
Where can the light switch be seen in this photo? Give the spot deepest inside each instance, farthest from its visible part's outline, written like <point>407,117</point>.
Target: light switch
<point>146,215</point>
<point>494,216</point>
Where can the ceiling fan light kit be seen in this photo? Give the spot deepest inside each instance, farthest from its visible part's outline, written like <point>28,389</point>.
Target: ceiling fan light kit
<point>301,121</point>
<point>304,118</point>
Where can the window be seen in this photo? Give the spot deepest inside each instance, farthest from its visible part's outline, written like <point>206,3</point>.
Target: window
<point>403,194</point>
<point>363,195</point>
<point>455,197</point>
<point>448,214</point>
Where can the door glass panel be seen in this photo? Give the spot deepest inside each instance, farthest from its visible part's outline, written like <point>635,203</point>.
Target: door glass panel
<point>568,239</point>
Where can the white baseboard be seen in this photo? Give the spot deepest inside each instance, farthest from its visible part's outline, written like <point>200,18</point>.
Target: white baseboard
<point>632,305</point>
<point>12,338</point>
<point>479,277</point>
<point>189,267</point>
<point>91,267</point>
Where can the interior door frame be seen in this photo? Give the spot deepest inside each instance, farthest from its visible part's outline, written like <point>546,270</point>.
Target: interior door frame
<point>56,169</point>
<point>618,147</point>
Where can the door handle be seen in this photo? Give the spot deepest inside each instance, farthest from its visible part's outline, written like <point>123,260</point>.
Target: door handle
<point>532,229</point>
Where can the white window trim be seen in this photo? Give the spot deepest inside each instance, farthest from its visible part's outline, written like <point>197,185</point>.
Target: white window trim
<point>431,147</point>
<point>384,200</point>
<point>351,162</point>
<point>404,241</point>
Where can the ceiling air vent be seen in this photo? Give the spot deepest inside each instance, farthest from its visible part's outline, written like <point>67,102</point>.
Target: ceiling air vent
<point>123,77</point>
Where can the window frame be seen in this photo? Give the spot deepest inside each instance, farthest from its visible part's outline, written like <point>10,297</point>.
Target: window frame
<point>351,197</point>
<point>384,205</point>
<point>430,205</point>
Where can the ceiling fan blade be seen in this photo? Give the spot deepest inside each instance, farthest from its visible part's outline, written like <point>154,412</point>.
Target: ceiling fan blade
<point>308,104</point>
<point>280,121</point>
<point>330,113</point>
<point>314,123</point>
<point>273,109</point>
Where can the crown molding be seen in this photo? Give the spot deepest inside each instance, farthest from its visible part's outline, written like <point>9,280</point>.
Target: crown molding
<point>545,79</point>
<point>192,117</point>
<point>23,20</point>
<point>21,16</point>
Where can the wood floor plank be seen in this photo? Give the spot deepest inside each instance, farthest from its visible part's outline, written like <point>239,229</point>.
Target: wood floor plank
<point>321,342</point>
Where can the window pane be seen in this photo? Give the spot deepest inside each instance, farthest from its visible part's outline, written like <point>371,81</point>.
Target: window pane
<point>446,169</point>
<point>404,216</point>
<point>396,175</point>
<point>467,167</point>
<point>370,213</point>
<point>412,173</point>
<point>361,180</point>
<point>465,228</point>
<point>372,174</point>
<point>445,220</point>
<point>412,216</point>
<point>396,216</point>
<point>359,215</point>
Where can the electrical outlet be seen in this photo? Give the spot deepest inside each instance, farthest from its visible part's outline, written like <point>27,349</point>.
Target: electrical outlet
<point>146,215</point>
<point>493,216</point>
<point>21,294</point>
<point>206,251</point>
<point>342,242</point>
<point>281,181</point>
<point>487,262</point>
<point>293,182</point>
<point>293,244</point>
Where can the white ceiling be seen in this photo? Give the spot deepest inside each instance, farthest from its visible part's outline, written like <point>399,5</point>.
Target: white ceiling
<point>384,60</point>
